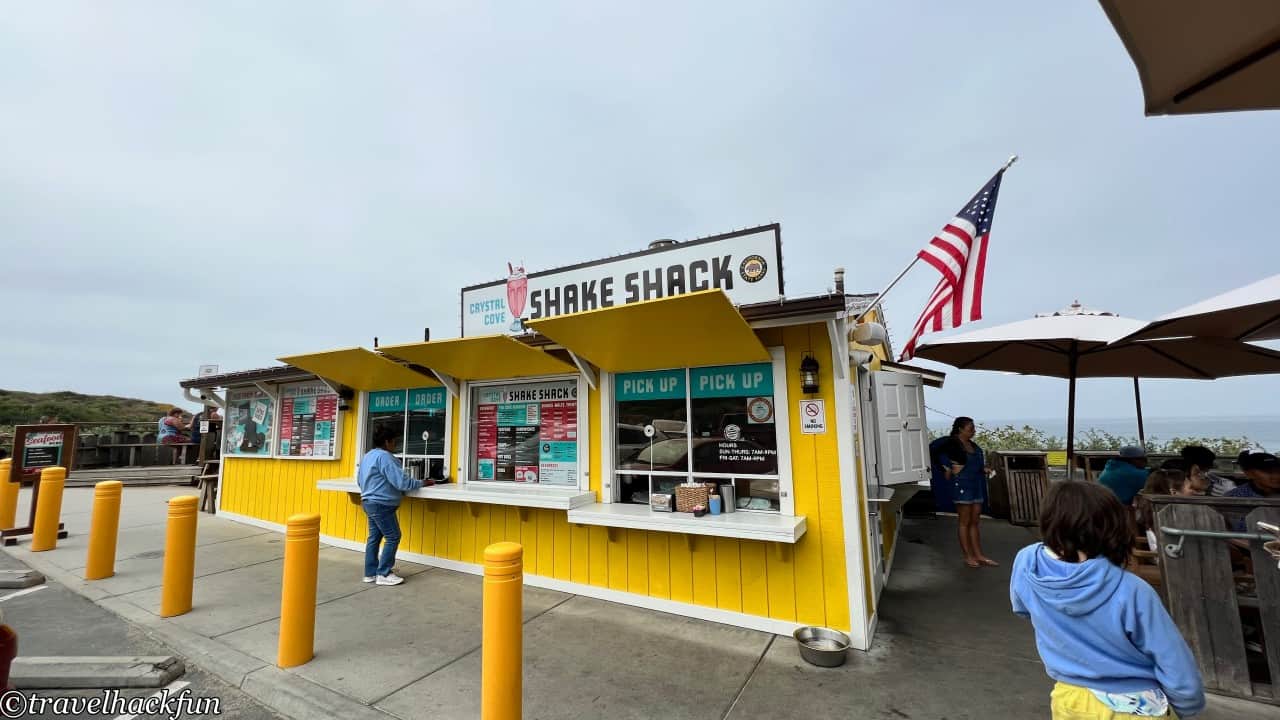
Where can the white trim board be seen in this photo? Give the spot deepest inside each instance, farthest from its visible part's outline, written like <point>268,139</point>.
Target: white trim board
<point>855,530</point>
<point>551,498</point>
<point>716,615</point>
<point>770,527</point>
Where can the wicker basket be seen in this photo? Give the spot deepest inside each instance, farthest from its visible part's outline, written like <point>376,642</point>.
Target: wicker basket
<point>690,496</point>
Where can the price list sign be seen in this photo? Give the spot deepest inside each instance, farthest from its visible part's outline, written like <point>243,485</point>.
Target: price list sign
<point>308,421</point>
<point>558,443</point>
<point>528,433</point>
<point>487,441</point>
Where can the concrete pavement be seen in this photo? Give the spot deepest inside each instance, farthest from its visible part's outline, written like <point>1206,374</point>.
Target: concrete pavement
<point>52,621</point>
<point>947,645</point>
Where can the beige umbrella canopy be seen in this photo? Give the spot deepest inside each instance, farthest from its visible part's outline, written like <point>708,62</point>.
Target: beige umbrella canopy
<point>1082,343</point>
<point>1249,313</point>
<point>1201,56</point>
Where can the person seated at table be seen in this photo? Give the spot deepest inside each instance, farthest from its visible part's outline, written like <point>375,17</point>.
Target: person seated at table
<point>208,414</point>
<point>1159,482</point>
<point>1262,471</point>
<point>172,429</point>
<point>1126,475</point>
<point>1199,466</point>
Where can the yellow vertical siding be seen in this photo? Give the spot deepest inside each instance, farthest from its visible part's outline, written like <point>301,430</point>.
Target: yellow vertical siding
<point>805,582</point>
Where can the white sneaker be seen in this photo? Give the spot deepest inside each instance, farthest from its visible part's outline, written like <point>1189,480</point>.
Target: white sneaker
<point>367,578</point>
<point>389,579</point>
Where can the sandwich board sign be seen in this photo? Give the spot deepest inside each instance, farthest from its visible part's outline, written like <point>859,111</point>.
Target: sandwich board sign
<point>36,447</point>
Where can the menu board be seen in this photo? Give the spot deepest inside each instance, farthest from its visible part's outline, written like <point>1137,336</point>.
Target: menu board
<point>486,442</point>
<point>42,449</point>
<point>558,443</point>
<point>250,414</point>
<point>528,433</point>
<point>308,421</point>
<point>41,446</point>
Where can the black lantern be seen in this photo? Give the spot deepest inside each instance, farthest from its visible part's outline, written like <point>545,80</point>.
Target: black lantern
<point>809,374</point>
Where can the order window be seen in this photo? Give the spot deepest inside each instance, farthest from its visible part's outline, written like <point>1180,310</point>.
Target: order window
<point>525,432</point>
<point>710,425</point>
<point>420,415</point>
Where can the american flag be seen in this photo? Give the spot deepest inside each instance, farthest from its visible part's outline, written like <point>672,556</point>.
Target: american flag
<point>959,253</point>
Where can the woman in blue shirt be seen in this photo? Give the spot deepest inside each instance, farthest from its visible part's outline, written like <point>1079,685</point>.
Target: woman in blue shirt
<point>383,482</point>
<point>967,473</point>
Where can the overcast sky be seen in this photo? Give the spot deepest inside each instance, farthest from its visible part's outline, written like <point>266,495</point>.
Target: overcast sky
<point>229,182</point>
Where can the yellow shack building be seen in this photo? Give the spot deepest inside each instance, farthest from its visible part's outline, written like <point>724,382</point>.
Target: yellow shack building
<point>583,407</point>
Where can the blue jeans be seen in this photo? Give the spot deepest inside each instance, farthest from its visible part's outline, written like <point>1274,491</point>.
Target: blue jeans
<point>383,525</point>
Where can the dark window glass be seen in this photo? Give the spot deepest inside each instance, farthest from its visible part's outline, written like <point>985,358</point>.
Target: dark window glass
<point>376,420</point>
<point>430,422</point>
<point>727,438</point>
<point>668,420</point>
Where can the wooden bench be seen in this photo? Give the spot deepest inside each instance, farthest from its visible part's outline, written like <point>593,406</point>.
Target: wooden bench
<point>208,482</point>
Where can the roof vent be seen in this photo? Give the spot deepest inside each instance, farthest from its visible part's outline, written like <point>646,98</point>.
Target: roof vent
<point>664,242</point>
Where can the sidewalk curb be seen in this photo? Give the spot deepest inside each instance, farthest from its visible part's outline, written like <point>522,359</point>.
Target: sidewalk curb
<point>282,691</point>
<point>94,672</point>
<point>298,697</point>
<point>19,579</point>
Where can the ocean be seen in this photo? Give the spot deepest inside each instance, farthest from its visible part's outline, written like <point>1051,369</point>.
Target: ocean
<point>1262,430</point>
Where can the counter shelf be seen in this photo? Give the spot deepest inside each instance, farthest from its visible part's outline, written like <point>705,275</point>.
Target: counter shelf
<point>517,496</point>
<point>770,527</point>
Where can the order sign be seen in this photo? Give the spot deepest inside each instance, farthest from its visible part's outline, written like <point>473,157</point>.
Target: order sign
<point>813,417</point>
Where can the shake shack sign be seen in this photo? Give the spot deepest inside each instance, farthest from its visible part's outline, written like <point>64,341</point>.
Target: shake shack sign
<point>746,265</point>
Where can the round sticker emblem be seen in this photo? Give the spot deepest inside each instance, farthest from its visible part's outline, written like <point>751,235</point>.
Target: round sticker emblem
<point>753,268</point>
<point>732,432</point>
<point>760,410</point>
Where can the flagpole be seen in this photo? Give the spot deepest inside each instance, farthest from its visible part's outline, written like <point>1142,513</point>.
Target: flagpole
<point>876,303</point>
<point>879,298</point>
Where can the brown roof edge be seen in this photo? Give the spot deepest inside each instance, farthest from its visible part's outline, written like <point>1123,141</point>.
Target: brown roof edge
<point>244,377</point>
<point>932,378</point>
<point>792,307</point>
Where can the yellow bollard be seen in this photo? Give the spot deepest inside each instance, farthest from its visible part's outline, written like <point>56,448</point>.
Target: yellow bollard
<point>103,528</point>
<point>298,590</point>
<point>8,496</point>
<point>179,556</point>
<point>44,536</point>
<point>502,640</point>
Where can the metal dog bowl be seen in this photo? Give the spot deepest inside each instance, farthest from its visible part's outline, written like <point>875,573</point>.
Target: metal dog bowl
<point>821,646</point>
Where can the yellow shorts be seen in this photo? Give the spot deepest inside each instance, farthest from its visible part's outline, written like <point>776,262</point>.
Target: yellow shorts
<point>1070,702</point>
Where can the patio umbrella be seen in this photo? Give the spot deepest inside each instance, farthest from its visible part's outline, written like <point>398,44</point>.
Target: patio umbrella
<point>1078,342</point>
<point>1194,56</point>
<point>1249,313</point>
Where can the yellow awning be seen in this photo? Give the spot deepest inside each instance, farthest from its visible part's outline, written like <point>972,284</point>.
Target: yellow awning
<point>486,357</point>
<point>360,369</point>
<point>701,328</point>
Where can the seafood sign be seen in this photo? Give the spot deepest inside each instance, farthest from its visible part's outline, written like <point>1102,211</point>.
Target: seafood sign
<point>746,265</point>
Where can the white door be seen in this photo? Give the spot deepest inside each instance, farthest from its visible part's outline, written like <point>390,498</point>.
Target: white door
<point>901,433</point>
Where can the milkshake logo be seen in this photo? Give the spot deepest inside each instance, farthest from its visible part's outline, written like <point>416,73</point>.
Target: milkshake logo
<point>517,292</point>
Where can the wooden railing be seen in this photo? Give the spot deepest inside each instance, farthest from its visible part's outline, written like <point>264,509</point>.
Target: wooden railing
<point>1223,589</point>
<point>123,444</point>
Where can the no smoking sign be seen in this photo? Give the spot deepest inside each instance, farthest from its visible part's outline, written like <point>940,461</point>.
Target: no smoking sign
<point>813,417</point>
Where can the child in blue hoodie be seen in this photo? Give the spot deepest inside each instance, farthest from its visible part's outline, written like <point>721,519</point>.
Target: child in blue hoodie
<point>1101,632</point>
